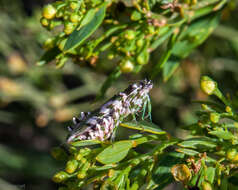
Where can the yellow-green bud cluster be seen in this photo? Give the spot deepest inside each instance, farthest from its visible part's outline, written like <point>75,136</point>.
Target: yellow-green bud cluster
<point>77,166</point>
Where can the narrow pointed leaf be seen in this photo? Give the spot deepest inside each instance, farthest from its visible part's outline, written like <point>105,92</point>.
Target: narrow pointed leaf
<point>79,36</point>
<point>85,143</point>
<point>226,135</point>
<point>144,126</point>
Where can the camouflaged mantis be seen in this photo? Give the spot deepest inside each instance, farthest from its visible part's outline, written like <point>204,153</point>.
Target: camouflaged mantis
<point>101,124</point>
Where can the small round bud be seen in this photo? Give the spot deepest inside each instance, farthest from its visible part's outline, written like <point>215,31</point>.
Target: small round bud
<point>74,5</point>
<point>143,172</point>
<point>59,13</point>
<point>130,35</point>
<point>206,186</point>
<point>78,156</point>
<point>111,173</point>
<point>44,22</point>
<point>110,56</point>
<point>48,12</point>
<point>135,15</point>
<point>140,42</point>
<point>81,175</point>
<point>68,28</point>
<point>143,57</point>
<point>126,66</point>
<point>49,43</point>
<point>74,18</point>
<point>85,151</point>
<point>71,166</point>
<point>60,177</point>
<point>214,117</point>
<point>181,173</point>
<point>231,154</point>
<point>228,109</point>
<point>151,29</point>
<point>208,86</point>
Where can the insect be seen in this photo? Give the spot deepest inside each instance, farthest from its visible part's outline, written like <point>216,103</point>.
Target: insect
<point>101,124</point>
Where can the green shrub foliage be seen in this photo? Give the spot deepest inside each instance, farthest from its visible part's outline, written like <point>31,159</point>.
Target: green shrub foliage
<point>205,159</point>
<point>127,32</point>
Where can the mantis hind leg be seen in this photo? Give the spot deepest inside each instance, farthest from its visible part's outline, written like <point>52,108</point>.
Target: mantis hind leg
<point>113,136</point>
<point>148,107</point>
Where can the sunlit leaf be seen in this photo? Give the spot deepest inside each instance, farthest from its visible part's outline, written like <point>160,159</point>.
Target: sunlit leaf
<point>85,143</point>
<point>186,151</point>
<point>79,36</point>
<point>222,134</point>
<point>144,126</point>
<point>200,142</point>
<point>115,152</point>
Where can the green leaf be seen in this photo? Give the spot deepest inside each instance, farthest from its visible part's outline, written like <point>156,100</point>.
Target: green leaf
<point>200,142</point>
<point>226,135</point>
<point>169,68</point>
<point>115,152</point>
<point>163,145</point>
<point>143,126</point>
<point>79,36</point>
<point>186,151</point>
<point>48,56</point>
<point>85,143</point>
<point>210,174</point>
<point>162,174</point>
<point>88,17</point>
<point>194,35</point>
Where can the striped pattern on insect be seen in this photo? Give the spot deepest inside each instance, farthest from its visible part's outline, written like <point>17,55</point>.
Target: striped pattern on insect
<point>101,123</point>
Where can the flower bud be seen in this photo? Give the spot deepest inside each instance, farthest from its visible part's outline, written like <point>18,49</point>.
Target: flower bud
<point>44,22</point>
<point>130,34</point>
<point>140,42</point>
<point>85,151</point>
<point>110,56</point>
<point>49,43</point>
<point>214,117</point>
<point>78,156</point>
<point>136,15</point>
<point>232,154</point>
<point>60,177</point>
<point>74,18</point>
<point>181,173</point>
<point>81,175</point>
<point>74,5</point>
<point>208,86</point>
<point>126,66</point>
<point>71,166</point>
<point>228,109</point>
<point>59,13</point>
<point>68,28</point>
<point>206,186</point>
<point>48,12</point>
<point>143,57</point>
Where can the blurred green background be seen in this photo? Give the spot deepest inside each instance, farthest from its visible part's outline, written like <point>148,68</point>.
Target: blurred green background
<point>37,103</point>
